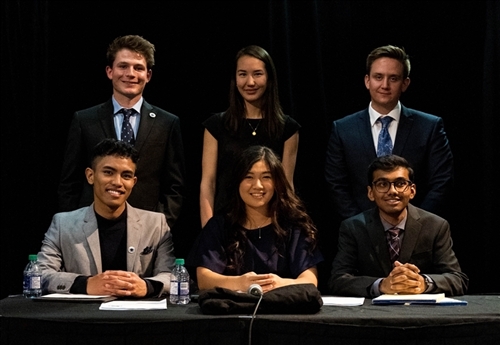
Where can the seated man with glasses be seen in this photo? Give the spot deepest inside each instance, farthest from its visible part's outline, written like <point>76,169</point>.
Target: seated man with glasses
<point>395,247</point>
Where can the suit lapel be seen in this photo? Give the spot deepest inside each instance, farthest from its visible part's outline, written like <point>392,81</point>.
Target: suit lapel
<point>378,240</point>
<point>365,134</point>
<point>148,118</point>
<point>403,132</point>
<point>133,238</point>
<point>105,115</point>
<point>92,235</point>
<point>412,231</point>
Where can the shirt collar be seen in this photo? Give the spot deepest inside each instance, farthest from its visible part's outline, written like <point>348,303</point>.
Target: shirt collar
<point>394,113</point>
<point>117,107</point>
<point>401,225</point>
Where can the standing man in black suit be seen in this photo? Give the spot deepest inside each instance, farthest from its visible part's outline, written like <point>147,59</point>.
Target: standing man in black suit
<point>416,136</point>
<point>395,247</point>
<point>154,132</point>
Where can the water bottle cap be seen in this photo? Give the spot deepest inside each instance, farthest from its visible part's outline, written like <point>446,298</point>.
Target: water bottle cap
<point>33,257</point>
<point>179,261</point>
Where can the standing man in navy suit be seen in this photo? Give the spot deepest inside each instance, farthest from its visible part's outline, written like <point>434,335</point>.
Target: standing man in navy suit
<point>418,137</point>
<point>154,132</point>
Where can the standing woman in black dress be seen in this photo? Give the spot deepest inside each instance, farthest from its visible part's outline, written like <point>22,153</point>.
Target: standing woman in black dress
<point>254,117</point>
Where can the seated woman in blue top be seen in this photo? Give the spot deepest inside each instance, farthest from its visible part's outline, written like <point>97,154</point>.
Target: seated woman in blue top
<point>265,237</point>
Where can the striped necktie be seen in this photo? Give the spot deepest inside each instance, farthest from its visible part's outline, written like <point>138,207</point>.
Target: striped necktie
<point>393,242</point>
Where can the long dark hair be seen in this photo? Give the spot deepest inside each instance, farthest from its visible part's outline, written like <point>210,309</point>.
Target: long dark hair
<point>273,119</point>
<point>285,208</point>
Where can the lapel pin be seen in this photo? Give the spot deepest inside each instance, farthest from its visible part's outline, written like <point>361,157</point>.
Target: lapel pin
<point>152,115</point>
<point>131,250</point>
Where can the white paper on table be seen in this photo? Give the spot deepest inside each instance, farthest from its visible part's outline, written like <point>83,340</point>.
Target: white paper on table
<point>134,305</point>
<point>76,297</point>
<point>343,301</point>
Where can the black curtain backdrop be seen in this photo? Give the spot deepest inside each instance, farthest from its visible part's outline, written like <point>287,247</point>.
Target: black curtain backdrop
<point>53,63</point>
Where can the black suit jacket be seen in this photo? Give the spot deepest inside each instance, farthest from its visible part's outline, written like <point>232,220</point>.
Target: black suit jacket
<point>160,169</point>
<point>363,253</point>
<point>420,139</point>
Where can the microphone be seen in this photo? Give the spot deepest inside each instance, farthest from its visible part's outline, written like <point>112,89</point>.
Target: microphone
<point>255,289</point>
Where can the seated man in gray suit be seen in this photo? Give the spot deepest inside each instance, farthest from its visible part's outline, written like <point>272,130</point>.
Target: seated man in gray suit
<point>395,247</point>
<point>109,247</point>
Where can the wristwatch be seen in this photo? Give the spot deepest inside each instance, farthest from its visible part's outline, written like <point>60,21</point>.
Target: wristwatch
<point>429,282</point>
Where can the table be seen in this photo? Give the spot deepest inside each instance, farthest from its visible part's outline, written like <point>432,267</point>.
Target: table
<point>24,321</point>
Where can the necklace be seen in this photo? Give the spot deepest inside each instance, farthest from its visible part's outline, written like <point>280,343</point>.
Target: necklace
<point>254,130</point>
<point>260,228</point>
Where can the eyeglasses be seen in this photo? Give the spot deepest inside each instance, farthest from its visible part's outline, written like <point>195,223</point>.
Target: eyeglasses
<point>383,186</point>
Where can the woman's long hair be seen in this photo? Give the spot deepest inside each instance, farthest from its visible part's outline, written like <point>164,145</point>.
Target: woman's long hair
<point>286,210</point>
<point>273,119</point>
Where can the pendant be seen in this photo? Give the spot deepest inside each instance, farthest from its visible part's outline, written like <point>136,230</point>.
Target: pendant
<point>254,133</point>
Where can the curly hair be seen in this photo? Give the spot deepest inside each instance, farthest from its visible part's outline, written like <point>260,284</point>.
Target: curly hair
<point>286,209</point>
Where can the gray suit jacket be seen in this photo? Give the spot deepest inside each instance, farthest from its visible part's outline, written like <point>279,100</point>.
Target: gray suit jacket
<point>363,254</point>
<point>71,248</point>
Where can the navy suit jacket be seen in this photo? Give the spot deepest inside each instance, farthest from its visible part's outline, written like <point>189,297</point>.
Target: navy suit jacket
<point>363,253</point>
<point>160,169</point>
<point>420,139</point>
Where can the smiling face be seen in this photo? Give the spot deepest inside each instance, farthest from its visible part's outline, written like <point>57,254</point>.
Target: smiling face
<point>392,204</point>
<point>129,75</point>
<point>251,78</point>
<point>257,188</point>
<point>113,178</point>
<point>386,83</point>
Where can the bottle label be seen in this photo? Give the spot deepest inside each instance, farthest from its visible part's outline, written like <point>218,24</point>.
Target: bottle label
<point>184,288</point>
<point>173,288</point>
<point>35,282</point>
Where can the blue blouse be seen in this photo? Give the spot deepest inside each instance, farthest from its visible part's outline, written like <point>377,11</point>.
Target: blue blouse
<point>261,254</point>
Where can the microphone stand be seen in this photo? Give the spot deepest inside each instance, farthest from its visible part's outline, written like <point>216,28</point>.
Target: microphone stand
<point>256,290</point>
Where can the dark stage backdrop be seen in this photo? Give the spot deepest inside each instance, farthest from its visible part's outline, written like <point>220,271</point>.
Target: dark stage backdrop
<point>53,63</point>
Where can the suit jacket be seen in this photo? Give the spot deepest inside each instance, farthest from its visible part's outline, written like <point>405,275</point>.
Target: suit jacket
<point>160,169</point>
<point>420,139</point>
<point>71,248</point>
<point>363,253</point>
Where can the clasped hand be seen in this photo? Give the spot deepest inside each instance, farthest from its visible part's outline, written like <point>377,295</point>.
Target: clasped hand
<point>403,279</point>
<point>268,281</point>
<point>117,283</point>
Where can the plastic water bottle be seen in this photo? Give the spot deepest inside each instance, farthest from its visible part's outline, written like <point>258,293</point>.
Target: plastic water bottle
<point>179,284</point>
<point>32,282</point>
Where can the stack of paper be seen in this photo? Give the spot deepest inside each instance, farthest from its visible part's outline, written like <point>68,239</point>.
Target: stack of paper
<point>134,305</point>
<point>343,301</point>
<point>71,297</point>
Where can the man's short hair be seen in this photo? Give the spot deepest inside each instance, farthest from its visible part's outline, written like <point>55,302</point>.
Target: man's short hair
<point>134,43</point>
<point>113,147</point>
<point>392,52</point>
<point>388,163</point>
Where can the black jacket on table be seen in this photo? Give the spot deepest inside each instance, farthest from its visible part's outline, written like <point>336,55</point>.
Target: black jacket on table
<point>160,169</point>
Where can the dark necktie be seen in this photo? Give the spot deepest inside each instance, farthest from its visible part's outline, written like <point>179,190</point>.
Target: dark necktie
<point>127,130</point>
<point>393,241</point>
<point>384,139</point>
